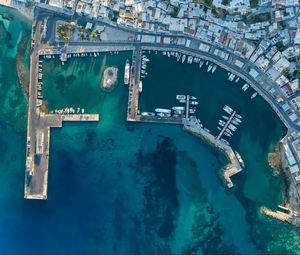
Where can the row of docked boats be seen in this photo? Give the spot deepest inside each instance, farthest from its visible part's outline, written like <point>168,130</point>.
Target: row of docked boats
<point>190,60</point>
<point>175,111</point>
<point>184,99</point>
<point>64,56</point>
<point>68,110</point>
<point>245,87</point>
<point>190,102</point>
<point>231,77</point>
<point>145,60</point>
<point>40,80</point>
<point>211,68</point>
<point>228,124</point>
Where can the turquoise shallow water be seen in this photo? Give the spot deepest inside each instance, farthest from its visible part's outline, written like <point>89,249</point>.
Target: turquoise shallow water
<point>118,187</point>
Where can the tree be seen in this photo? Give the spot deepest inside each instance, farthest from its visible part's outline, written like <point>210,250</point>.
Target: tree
<point>286,72</point>
<point>174,11</point>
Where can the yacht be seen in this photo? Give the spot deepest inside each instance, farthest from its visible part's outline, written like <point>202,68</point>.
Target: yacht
<point>240,159</point>
<point>225,117</point>
<point>190,60</point>
<point>231,77</point>
<point>214,69</point>
<point>162,110</point>
<point>227,109</point>
<point>228,131</point>
<point>222,123</point>
<point>183,58</point>
<point>209,68</point>
<point>178,108</point>
<point>201,63</point>
<point>237,79</point>
<point>237,120</point>
<point>245,87</point>
<point>161,114</point>
<point>228,135</point>
<point>144,58</point>
<point>179,97</point>
<point>254,95</point>
<point>232,127</point>
<point>193,103</point>
<point>148,114</point>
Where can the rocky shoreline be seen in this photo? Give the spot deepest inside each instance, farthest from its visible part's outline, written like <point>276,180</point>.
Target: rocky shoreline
<point>275,159</point>
<point>22,68</point>
<point>291,201</point>
<point>291,196</point>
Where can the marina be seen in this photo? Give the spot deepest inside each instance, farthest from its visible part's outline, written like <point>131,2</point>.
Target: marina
<point>183,115</point>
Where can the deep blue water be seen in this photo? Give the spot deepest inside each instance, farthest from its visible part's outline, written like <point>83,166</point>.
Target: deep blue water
<point>132,188</point>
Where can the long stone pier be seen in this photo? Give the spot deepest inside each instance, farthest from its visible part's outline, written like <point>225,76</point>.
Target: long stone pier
<point>39,125</point>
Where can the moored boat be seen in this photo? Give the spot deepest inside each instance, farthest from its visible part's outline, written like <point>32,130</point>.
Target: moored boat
<point>245,87</point>
<point>162,110</point>
<point>227,109</point>
<point>254,95</point>
<point>127,72</point>
<point>214,68</point>
<point>148,114</point>
<point>179,97</point>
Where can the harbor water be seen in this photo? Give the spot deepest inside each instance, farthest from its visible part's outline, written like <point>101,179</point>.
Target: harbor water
<point>136,188</point>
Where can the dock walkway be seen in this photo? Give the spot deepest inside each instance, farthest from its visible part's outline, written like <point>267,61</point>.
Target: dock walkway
<point>226,125</point>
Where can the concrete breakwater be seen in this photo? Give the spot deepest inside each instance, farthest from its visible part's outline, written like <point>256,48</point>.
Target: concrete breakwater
<point>234,165</point>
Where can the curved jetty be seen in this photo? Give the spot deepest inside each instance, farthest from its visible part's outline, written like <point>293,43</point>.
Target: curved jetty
<point>234,165</point>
